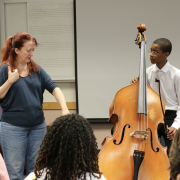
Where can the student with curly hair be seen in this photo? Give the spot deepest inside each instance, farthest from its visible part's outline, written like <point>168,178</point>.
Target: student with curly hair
<point>69,151</point>
<point>174,157</point>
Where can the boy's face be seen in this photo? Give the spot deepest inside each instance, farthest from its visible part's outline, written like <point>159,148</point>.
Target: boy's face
<point>157,56</point>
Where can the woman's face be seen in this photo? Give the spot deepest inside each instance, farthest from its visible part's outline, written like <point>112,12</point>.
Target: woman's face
<point>25,53</point>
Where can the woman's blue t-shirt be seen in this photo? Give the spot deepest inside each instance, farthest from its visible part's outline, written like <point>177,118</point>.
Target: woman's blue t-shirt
<point>22,105</point>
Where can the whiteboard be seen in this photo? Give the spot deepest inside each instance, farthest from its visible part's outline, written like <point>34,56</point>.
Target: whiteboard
<point>52,24</point>
<point>107,57</point>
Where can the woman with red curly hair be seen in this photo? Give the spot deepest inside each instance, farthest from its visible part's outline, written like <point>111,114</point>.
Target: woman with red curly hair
<point>22,123</point>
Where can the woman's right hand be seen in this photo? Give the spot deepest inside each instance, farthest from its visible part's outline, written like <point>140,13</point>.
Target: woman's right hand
<point>12,76</point>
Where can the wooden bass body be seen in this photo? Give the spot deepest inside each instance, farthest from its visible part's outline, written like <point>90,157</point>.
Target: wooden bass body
<point>116,156</point>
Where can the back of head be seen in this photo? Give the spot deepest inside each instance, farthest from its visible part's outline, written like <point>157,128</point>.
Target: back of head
<point>165,44</point>
<point>174,156</point>
<point>69,149</point>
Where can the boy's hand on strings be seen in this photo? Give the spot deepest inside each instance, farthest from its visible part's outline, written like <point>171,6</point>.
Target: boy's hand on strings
<point>134,80</point>
<point>171,133</point>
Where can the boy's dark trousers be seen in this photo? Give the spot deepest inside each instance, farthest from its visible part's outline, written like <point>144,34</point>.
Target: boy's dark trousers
<point>170,115</point>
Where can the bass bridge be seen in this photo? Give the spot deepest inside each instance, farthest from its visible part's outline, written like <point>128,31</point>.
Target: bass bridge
<point>140,134</point>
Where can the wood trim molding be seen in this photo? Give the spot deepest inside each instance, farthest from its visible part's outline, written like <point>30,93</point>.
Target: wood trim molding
<point>55,105</point>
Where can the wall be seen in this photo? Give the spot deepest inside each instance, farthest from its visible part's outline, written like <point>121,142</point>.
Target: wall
<point>68,88</point>
<point>160,24</point>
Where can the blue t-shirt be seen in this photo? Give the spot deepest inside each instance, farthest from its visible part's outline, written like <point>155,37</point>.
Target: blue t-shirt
<point>22,105</point>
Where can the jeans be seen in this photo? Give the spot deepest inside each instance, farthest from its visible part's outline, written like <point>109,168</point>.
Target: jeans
<point>20,146</point>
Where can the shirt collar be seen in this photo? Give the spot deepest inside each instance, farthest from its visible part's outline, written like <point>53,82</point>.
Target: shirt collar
<point>164,68</point>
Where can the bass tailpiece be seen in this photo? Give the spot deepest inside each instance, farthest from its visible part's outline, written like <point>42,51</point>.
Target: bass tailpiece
<point>138,158</point>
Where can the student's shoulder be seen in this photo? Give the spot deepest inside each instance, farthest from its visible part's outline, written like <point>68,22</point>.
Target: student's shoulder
<point>30,176</point>
<point>102,177</point>
<point>150,68</point>
<point>174,70</point>
<point>94,178</point>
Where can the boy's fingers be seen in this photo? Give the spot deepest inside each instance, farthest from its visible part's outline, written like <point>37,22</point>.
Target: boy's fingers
<point>170,132</point>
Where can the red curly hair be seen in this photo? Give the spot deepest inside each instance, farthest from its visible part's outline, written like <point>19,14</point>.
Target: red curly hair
<point>8,54</point>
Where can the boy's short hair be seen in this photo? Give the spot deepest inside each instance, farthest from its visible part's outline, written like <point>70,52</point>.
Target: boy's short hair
<point>165,45</point>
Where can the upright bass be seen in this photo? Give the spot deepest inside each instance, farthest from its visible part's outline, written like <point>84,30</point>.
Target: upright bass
<point>134,151</point>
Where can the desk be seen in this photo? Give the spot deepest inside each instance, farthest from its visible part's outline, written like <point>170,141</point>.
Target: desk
<point>48,126</point>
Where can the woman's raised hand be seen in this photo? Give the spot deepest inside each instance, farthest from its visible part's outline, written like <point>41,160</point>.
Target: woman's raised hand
<point>12,76</point>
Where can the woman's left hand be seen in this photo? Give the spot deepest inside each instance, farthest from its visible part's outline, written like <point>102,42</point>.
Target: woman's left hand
<point>57,93</point>
<point>65,112</point>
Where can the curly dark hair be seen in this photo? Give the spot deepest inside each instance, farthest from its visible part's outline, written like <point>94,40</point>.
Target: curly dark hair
<point>174,156</point>
<point>69,150</point>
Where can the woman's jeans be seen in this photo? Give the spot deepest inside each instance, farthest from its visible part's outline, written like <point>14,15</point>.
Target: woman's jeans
<point>20,145</point>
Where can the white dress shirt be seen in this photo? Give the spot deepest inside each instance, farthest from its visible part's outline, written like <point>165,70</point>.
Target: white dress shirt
<point>31,175</point>
<point>169,77</point>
